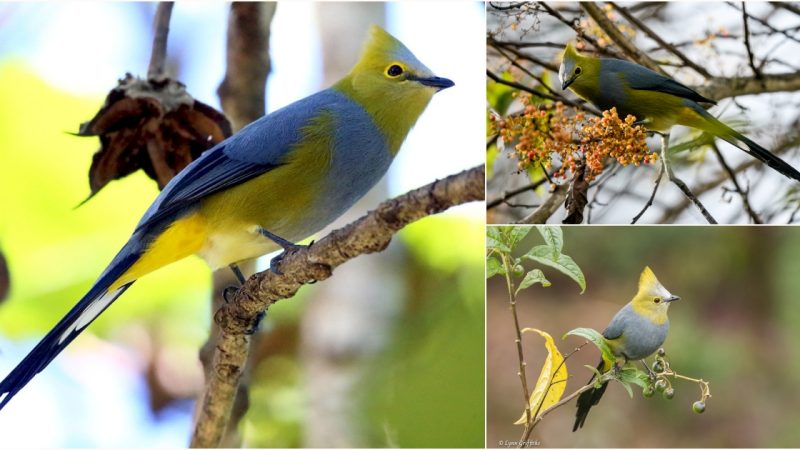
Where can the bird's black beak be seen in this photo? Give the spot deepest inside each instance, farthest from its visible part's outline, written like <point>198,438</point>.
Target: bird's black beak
<point>437,82</point>
<point>671,298</point>
<point>566,83</point>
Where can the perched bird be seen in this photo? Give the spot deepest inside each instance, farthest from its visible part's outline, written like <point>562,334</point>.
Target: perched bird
<point>278,180</point>
<point>635,332</point>
<point>656,101</point>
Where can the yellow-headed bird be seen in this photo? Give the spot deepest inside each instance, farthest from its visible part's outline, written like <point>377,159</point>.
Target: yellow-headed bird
<point>280,179</point>
<point>635,332</point>
<point>655,100</point>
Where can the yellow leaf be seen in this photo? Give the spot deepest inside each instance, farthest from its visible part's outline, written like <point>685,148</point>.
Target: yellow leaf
<point>553,376</point>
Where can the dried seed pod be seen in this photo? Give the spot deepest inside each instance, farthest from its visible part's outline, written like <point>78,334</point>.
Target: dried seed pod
<point>153,125</point>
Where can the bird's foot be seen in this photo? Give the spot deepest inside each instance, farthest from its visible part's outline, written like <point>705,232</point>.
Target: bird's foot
<point>229,292</point>
<point>256,323</point>
<point>288,248</point>
<point>649,371</point>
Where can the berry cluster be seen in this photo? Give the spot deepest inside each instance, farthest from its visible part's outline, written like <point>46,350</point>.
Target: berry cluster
<point>544,131</point>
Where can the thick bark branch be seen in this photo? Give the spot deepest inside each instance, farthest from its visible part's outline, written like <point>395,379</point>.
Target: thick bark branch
<point>369,234</point>
<point>721,87</point>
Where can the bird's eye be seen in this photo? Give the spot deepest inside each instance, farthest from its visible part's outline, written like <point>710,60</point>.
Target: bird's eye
<point>394,71</point>
<point>577,71</point>
<point>657,299</point>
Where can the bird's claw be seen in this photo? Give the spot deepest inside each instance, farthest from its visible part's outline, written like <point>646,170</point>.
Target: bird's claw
<point>229,292</point>
<point>275,262</point>
<point>256,323</point>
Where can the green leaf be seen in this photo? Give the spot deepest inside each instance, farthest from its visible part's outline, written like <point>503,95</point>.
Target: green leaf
<point>630,374</point>
<point>553,236</point>
<point>596,338</point>
<point>543,254</point>
<point>493,267</point>
<point>627,387</point>
<point>516,234</point>
<point>495,240</point>
<point>532,277</point>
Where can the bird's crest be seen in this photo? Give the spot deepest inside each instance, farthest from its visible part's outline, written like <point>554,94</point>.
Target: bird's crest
<point>647,280</point>
<point>570,52</point>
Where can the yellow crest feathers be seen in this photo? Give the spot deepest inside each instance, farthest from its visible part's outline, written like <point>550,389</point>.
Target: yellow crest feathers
<point>570,51</point>
<point>647,279</point>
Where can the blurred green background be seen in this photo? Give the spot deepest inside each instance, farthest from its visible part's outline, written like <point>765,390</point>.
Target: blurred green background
<point>735,326</point>
<point>414,379</point>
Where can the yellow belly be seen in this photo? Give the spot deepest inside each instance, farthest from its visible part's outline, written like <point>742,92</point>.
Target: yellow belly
<point>184,237</point>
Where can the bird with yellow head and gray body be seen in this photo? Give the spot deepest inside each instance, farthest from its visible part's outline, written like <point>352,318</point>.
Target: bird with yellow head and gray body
<point>655,100</point>
<point>280,179</point>
<point>635,333</point>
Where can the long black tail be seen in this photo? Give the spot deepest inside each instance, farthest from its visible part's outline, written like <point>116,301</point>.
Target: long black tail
<point>77,319</point>
<point>762,154</point>
<point>587,399</point>
<point>710,124</point>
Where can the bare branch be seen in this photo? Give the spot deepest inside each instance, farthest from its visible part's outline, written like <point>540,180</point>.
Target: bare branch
<point>678,182</point>
<point>656,37</point>
<point>652,195</point>
<point>158,57</point>
<point>723,87</point>
<point>750,56</point>
<point>549,207</point>
<point>623,42</point>
<point>742,193</point>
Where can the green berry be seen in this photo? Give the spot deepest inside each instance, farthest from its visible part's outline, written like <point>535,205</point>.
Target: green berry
<point>669,393</point>
<point>648,391</point>
<point>699,406</point>
<point>661,384</point>
<point>518,270</point>
<point>661,352</point>
<point>658,367</point>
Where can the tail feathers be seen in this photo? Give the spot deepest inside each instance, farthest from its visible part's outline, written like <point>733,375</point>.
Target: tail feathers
<point>587,399</point>
<point>762,154</point>
<point>709,123</point>
<point>81,315</point>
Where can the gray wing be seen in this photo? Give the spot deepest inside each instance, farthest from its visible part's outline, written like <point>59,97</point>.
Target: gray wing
<point>642,78</point>
<point>254,150</point>
<point>617,325</point>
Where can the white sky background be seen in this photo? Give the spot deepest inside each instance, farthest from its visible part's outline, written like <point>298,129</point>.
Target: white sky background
<point>83,47</point>
<point>765,121</point>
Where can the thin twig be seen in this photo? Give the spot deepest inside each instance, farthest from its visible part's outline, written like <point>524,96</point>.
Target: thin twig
<point>521,87</point>
<point>513,193</point>
<point>512,300</point>
<point>623,42</point>
<point>652,195</point>
<point>678,182</point>
<point>765,23</point>
<point>574,24</point>
<point>549,207</point>
<point>158,56</point>
<point>656,37</point>
<point>742,193</point>
<point>750,56</point>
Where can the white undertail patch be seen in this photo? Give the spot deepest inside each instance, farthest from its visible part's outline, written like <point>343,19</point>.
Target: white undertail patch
<point>95,308</point>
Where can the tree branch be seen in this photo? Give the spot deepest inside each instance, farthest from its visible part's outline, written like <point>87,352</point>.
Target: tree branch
<point>549,207</point>
<point>242,94</point>
<point>724,87</point>
<point>369,234</point>
<point>242,91</point>
<point>623,42</point>
<point>656,37</point>
<point>158,57</point>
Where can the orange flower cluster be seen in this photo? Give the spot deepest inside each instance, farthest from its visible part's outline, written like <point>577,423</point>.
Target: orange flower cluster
<point>542,133</point>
